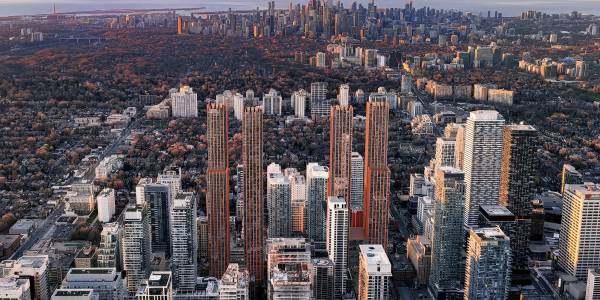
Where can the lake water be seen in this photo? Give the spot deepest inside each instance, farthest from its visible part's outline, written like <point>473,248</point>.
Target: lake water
<point>507,7</point>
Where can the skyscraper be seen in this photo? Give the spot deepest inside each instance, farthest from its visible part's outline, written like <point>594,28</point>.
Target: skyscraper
<point>136,246</point>
<point>444,152</point>
<point>316,194</point>
<point>156,197</point>
<point>580,239</point>
<point>377,173</point>
<point>344,95</point>
<point>322,278</point>
<point>217,188</point>
<point>299,103</point>
<point>234,284</point>
<point>517,187</point>
<point>185,103</point>
<point>483,157</point>
<point>337,241</point>
<point>184,242</point>
<point>356,181</point>
<point>109,250</point>
<point>278,202</point>
<point>592,290</point>
<point>288,269</point>
<point>487,272</point>
<point>252,132</point>
<point>106,205</point>
<point>34,268</point>
<point>446,257</point>
<point>158,286</point>
<point>374,273</point>
<point>340,151</point>
<point>319,106</point>
<point>298,187</point>
<point>272,103</point>
<point>570,175</point>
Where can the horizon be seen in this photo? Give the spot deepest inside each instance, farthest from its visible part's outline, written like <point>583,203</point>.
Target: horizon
<point>509,8</point>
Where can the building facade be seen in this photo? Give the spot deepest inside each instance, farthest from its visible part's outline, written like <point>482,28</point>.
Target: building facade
<point>217,188</point>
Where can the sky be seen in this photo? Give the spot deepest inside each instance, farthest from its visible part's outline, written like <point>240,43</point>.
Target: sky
<point>507,7</point>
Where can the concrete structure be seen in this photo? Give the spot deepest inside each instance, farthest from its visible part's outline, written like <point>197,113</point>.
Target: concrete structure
<point>592,290</point>
<point>344,95</point>
<point>487,273</point>
<point>158,286</point>
<point>316,193</point>
<point>374,274</point>
<point>482,161</point>
<point>444,152</point>
<point>81,198</point>
<point>279,194</point>
<point>171,178</point>
<point>337,241</point>
<point>298,100</point>
<point>377,173</point>
<point>184,103</point>
<point>106,283</point>
<point>109,249</point>
<point>322,278</point>
<point>184,242</point>
<point>298,200</point>
<point>252,152</point>
<point>234,284</point>
<point>33,268</point>
<point>356,180</point>
<point>136,246</point>
<point>106,205</point>
<point>579,236</point>
<point>289,269</point>
<point>73,294</point>
<point>418,252</point>
<point>217,189</point>
<point>570,175</point>
<point>272,103</point>
<point>319,105</point>
<point>13,287</point>
<point>448,232</point>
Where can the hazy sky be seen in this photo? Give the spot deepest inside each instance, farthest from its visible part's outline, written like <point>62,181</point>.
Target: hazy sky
<point>508,7</point>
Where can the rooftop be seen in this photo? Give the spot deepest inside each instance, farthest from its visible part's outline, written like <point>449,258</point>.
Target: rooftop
<point>73,292</point>
<point>490,233</point>
<point>485,115</point>
<point>159,279</point>
<point>374,254</point>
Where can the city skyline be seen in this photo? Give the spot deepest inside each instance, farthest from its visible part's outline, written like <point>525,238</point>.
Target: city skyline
<point>310,151</point>
<point>509,8</point>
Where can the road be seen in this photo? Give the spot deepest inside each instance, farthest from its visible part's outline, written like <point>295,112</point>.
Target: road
<point>48,225</point>
<point>40,231</point>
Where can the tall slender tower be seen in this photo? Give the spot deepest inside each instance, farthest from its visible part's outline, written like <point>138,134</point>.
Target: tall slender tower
<point>517,187</point>
<point>279,200</point>
<point>487,272</point>
<point>340,151</point>
<point>483,155</point>
<point>337,241</point>
<point>316,194</point>
<point>184,242</point>
<point>579,239</point>
<point>137,247</point>
<point>217,188</point>
<point>377,173</point>
<point>252,131</point>
<point>446,257</point>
